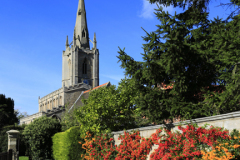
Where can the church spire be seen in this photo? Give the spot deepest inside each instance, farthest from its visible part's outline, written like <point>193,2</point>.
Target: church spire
<point>81,29</point>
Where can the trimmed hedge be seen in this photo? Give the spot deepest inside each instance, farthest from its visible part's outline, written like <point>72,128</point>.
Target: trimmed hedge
<point>66,146</point>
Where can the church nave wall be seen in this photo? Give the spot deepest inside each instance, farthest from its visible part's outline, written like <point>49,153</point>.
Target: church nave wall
<point>52,100</point>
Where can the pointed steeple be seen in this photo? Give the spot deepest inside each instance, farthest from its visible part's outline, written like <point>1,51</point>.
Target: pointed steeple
<point>81,29</point>
<point>67,44</point>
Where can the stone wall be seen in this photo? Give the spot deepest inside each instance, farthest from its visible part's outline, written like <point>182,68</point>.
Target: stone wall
<point>72,93</point>
<point>52,100</point>
<point>228,121</point>
<point>29,119</point>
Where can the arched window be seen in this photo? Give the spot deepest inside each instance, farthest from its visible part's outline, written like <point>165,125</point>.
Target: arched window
<point>83,33</point>
<point>84,68</point>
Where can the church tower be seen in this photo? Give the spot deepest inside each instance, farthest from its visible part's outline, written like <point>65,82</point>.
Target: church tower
<point>80,64</point>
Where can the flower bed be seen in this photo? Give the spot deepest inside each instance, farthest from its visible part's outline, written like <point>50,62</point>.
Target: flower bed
<point>193,143</point>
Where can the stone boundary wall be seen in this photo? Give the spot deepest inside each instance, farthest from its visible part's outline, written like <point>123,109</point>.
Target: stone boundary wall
<point>227,121</point>
<point>29,119</point>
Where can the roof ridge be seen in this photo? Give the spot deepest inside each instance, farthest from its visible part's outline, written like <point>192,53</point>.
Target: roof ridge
<point>105,84</point>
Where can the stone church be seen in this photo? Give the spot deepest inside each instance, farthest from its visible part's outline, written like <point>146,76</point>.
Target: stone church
<point>80,72</point>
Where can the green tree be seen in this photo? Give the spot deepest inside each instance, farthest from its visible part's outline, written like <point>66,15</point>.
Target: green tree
<point>4,139</point>
<point>227,44</point>
<point>68,120</point>
<point>20,115</point>
<point>38,136</point>
<point>200,3</point>
<point>127,90</point>
<point>167,62</point>
<point>7,116</point>
<point>233,3</point>
<point>107,109</point>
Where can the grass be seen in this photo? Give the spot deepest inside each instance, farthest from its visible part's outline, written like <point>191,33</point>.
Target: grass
<point>23,158</point>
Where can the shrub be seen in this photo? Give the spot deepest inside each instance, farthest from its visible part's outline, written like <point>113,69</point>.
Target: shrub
<point>4,139</point>
<point>39,134</point>
<point>193,143</point>
<point>66,146</point>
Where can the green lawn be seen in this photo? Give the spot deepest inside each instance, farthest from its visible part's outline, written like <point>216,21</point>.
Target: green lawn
<point>23,158</point>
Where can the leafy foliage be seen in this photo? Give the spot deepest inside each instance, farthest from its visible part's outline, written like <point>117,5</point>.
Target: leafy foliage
<point>107,109</point>
<point>7,116</point>
<point>4,139</point>
<point>20,115</point>
<point>201,4</point>
<point>192,59</point>
<point>68,120</point>
<point>227,43</point>
<point>66,146</point>
<point>38,135</point>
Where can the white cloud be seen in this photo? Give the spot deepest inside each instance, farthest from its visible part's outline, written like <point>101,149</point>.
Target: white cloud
<point>148,9</point>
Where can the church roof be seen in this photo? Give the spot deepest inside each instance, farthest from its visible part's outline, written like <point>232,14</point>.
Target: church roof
<point>105,84</point>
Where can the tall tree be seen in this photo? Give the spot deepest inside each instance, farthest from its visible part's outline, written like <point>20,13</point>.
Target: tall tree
<point>201,4</point>
<point>7,116</point>
<point>227,44</point>
<point>236,11</point>
<point>166,62</point>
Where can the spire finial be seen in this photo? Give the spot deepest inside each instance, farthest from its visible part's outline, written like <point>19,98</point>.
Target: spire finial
<point>95,41</point>
<point>67,44</point>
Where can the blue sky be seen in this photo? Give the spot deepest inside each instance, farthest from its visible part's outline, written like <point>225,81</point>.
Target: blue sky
<point>33,35</point>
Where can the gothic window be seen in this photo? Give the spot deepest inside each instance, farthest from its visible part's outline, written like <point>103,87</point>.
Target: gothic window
<point>83,33</point>
<point>84,68</point>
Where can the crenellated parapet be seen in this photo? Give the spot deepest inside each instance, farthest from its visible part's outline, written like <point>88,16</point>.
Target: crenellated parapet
<point>52,100</point>
<point>31,118</point>
<point>76,87</point>
<point>60,97</point>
